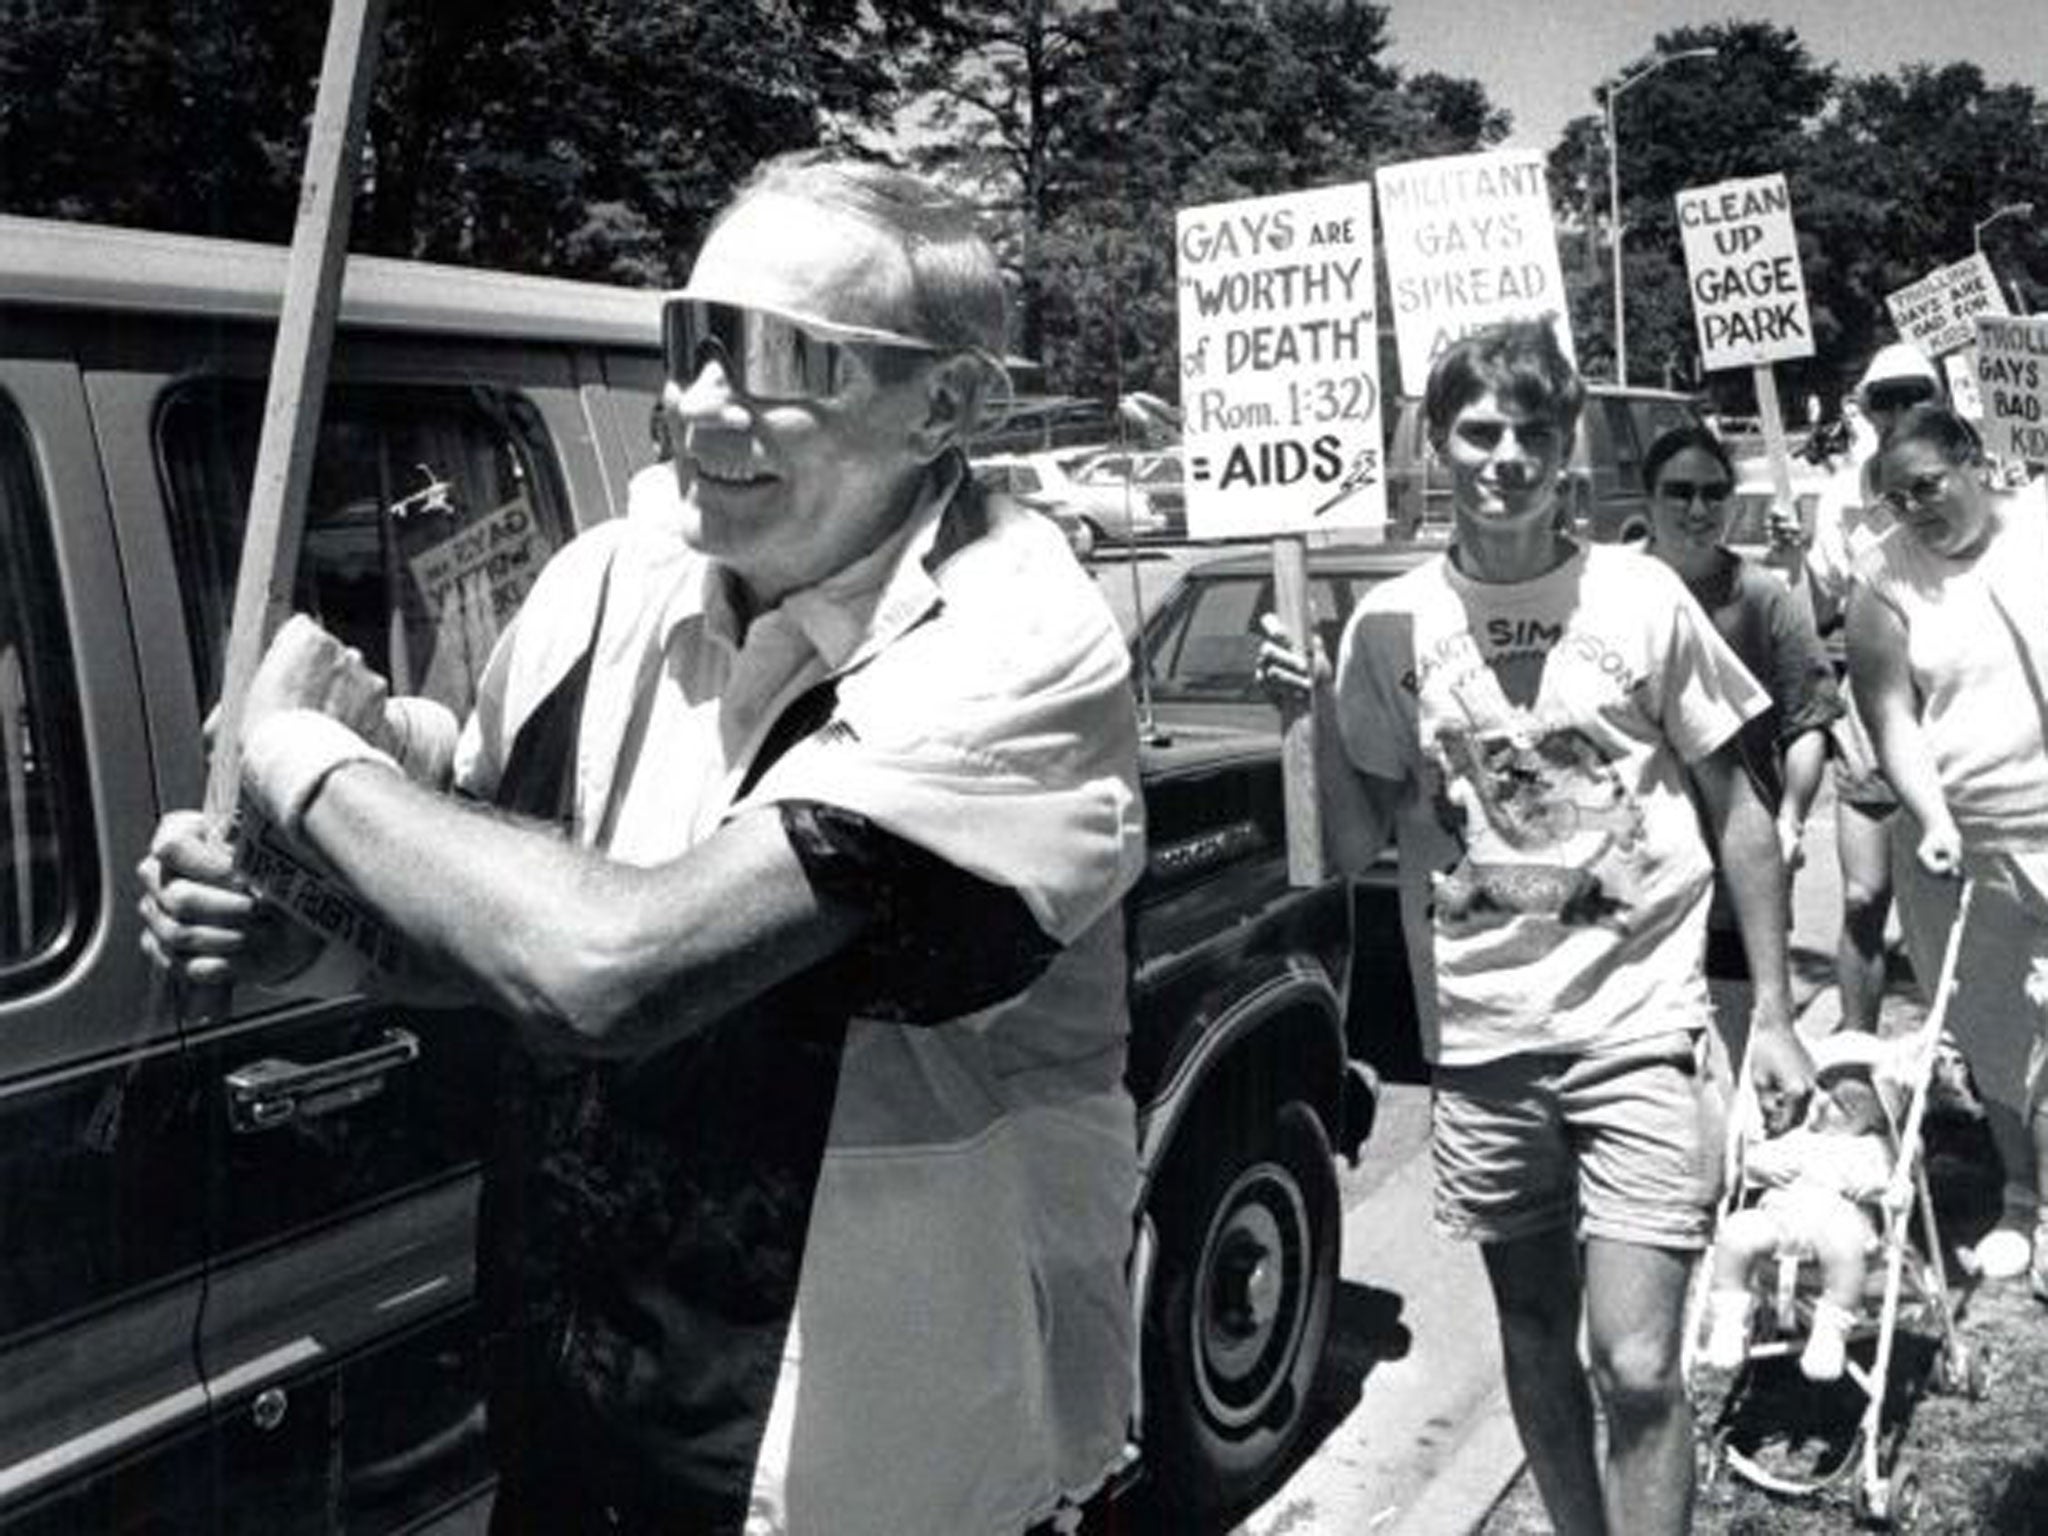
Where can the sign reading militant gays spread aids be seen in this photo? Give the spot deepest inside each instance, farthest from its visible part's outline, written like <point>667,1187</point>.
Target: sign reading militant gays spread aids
<point>1469,243</point>
<point>1742,261</point>
<point>2012,378</point>
<point>1279,355</point>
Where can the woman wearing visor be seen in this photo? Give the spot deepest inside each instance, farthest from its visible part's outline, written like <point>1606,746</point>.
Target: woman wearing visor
<point>1848,521</point>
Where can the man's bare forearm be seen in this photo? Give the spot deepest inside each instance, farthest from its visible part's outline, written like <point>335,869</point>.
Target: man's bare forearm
<point>607,958</point>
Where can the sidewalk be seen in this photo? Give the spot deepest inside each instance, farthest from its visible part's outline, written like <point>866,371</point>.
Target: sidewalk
<point>1462,1488</point>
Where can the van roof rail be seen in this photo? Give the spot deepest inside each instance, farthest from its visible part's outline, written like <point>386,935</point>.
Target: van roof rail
<point>51,262</point>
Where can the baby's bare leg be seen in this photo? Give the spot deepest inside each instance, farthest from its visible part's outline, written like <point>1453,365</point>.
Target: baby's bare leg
<point>1840,1237</point>
<point>1746,1236</point>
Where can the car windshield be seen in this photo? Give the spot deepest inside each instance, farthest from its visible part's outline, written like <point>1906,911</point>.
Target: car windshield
<point>1204,643</point>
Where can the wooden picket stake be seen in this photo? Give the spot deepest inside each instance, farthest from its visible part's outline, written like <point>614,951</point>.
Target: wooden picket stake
<point>1305,865</point>
<point>298,386</point>
<point>1780,456</point>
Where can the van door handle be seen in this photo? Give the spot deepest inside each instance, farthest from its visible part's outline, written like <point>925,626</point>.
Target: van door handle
<point>269,1093</point>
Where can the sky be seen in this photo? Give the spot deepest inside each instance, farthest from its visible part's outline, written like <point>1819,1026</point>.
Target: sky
<point>1541,59</point>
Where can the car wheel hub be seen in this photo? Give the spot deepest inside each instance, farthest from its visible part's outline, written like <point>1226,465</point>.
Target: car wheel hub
<point>1253,1285</point>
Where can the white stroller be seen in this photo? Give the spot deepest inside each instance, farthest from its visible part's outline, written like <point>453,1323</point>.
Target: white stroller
<point>1909,1290</point>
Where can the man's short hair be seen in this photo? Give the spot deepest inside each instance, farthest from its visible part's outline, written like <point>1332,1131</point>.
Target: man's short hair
<point>957,299</point>
<point>1519,361</point>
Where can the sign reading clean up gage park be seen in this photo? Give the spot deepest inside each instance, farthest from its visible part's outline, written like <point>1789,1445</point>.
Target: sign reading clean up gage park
<point>1937,312</point>
<point>2012,378</point>
<point>1279,356</point>
<point>1469,243</point>
<point>1742,263</point>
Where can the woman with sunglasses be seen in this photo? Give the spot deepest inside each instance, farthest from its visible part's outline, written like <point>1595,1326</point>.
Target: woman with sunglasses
<point>1948,639</point>
<point>1690,479</point>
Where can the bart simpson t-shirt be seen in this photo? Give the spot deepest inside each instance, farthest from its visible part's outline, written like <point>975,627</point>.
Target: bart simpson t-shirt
<point>1554,876</point>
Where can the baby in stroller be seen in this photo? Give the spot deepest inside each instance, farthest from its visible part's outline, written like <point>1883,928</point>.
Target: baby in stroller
<point>1818,1183</point>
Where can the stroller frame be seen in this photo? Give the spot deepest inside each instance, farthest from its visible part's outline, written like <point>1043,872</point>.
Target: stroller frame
<point>1887,1487</point>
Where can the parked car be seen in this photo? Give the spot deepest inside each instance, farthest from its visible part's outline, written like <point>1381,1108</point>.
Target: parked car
<point>1158,473</point>
<point>1604,492</point>
<point>1021,482</point>
<point>1113,510</point>
<point>237,1293</point>
<point>1193,658</point>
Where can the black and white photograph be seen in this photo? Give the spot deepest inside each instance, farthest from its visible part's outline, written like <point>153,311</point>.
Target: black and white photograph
<point>1023,767</point>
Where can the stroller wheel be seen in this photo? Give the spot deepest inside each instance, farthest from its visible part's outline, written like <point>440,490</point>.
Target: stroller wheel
<point>1961,1371</point>
<point>1903,1497</point>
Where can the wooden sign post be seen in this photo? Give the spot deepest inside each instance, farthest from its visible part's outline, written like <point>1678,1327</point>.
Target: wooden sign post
<point>1280,410</point>
<point>298,384</point>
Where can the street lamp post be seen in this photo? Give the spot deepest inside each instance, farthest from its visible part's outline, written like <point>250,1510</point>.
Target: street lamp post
<point>2019,210</point>
<point>1614,195</point>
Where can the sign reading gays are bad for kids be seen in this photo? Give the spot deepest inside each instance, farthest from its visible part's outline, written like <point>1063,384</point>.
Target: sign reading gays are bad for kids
<point>1937,313</point>
<point>1742,261</point>
<point>1469,243</point>
<point>1279,354</point>
<point>2012,379</point>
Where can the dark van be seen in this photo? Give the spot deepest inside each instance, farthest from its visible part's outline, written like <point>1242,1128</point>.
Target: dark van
<point>236,1292</point>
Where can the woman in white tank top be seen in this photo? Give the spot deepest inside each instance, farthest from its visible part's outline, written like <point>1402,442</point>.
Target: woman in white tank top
<point>1948,641</point>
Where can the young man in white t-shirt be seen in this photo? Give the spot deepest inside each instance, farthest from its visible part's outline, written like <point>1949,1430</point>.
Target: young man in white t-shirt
<point>1528,713</point>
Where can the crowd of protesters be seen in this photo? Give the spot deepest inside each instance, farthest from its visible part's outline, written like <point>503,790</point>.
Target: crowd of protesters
<point>677,902</point>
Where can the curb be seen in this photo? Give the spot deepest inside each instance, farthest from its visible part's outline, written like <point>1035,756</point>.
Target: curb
<point>1473,1479</point>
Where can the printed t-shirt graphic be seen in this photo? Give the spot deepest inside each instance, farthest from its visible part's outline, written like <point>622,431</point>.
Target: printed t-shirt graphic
<point>1555,881</point>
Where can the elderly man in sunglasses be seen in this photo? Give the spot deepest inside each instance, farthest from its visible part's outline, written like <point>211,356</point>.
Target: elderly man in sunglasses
<point>808,795</point>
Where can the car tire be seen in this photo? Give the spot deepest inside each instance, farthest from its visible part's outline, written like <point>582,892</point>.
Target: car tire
<point>1082,538</point>
<point>1240,1310</point>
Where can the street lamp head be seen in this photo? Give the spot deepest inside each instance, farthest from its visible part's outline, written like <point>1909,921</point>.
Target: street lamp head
<point>2019,210</point>
<point>1656,64</point>
<point>1614,195</point>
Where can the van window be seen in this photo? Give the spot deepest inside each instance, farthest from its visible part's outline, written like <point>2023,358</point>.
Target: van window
<point>47,862</point>
<point>431,512</point>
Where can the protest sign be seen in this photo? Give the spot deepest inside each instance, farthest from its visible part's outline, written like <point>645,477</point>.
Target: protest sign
<point>1279,352</point>
<point>1749,300</point>
<point>2012,378</point>
<point>1469,243</point>
<point>1742,264</point>
<point>501,554</point>
<point>1935,313</point>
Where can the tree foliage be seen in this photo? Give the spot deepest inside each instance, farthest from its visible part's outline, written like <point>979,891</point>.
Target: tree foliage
<point>598,137</point>
<point>590,137</point>
<point>1198,101</point>
<point>1888,173</point>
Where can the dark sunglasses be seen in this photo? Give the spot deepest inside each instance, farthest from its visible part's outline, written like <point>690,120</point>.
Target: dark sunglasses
<point>1682,492</point>
<point>1896,397</point>
<point>767,355</point>
<point>1922,490</point>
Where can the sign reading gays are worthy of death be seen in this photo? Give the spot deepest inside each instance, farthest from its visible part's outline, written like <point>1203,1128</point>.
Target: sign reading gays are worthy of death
<point>1935,312</point>
<point>1469,243</point>
<point>1742,263</point>
<point>1279,353</point>
<point>2012,378</point>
